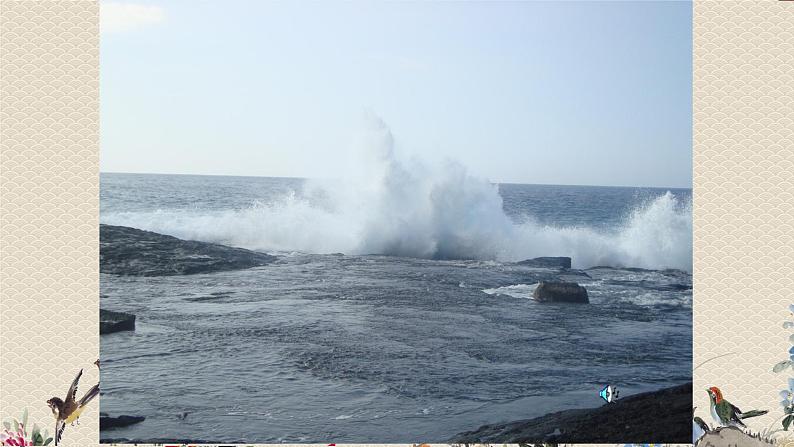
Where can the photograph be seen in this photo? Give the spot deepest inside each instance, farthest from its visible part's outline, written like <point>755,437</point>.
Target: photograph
<point>396,222</point>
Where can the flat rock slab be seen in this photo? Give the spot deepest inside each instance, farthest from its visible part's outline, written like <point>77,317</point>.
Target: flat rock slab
<point>663,416</point>
<point>552,262</point>
<point>560,292</point>
<point>110,321</point>
<point>132,252</point>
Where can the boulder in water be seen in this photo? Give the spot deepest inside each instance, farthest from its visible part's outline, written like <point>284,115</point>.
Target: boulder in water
<point>110,321</point>
<point>551,262</point>
<point>560,292</point>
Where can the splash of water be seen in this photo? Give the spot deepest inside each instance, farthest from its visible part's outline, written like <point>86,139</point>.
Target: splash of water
<point>385,206</point>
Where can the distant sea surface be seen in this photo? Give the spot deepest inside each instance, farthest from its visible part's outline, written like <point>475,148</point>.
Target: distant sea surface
<point>396,310</point>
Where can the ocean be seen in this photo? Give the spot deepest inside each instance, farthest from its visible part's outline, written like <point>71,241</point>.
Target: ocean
<point>397,309</point>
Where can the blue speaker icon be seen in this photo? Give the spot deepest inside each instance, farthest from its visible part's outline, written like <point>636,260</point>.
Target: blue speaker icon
<point>609,393</point>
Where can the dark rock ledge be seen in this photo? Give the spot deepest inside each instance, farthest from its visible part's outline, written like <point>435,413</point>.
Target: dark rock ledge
<point>107,422</point>
<point>552,262</point>
<point>132,252</point>
<point>658,417</point>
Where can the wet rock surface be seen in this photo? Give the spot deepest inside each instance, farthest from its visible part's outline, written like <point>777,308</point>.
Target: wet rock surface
<point>132,252</point>
<point>663,416</point>
<point>548,262</point>
<point>560,292</point>
<point>108,422</point>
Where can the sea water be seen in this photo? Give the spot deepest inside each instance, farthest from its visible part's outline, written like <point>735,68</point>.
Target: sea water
<point>396,311</point>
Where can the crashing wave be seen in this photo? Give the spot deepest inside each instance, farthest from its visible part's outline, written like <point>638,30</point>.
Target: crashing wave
<point>385,206</point>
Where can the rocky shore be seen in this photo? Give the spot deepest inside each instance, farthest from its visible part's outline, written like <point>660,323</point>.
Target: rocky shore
<point>132,252</point>
<point>660,416</point>
<point>663,416</point>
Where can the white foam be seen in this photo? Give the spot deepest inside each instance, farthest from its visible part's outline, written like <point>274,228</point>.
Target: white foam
<point>387,206</point>
<point>656,298</point>
<point>516,291</point>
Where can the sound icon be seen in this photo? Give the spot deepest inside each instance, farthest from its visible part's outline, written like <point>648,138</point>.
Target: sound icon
<point>609,393</point>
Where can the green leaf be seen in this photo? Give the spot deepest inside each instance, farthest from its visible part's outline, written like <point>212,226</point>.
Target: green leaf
<point>781,366</point>
<point>7,425</point>
<point>787,421</point>
<point>47,441</point>
<point>37,439</point>
<point>25,423</point>
<point>16,425</point>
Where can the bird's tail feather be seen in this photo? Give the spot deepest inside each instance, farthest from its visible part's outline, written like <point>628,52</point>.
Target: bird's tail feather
<point>754,413</point>
<point>92,393</point>
<point>59,428</point>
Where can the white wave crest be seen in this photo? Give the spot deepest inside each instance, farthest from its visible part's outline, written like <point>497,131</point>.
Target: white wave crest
<point>384,206</point>
<point>516,291</point>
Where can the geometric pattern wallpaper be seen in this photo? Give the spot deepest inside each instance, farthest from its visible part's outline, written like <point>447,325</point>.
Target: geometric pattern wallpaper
<point>49,207</point>
<point>743,100</point>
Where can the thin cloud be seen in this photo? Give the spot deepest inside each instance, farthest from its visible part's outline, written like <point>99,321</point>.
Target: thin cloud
<point>117,17</point>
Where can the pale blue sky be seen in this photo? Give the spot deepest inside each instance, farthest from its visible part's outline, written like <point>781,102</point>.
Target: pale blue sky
<point>592,93</point>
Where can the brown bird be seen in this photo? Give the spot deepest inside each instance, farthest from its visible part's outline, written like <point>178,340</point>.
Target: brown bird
<point>68,411</point>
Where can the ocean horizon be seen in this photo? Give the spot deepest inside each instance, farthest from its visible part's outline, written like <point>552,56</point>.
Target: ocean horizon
<point>338,178</point>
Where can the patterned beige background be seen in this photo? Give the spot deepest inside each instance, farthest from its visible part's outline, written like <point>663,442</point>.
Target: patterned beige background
<point>49,148</point>
<point>744,200</point>
<point>49,204</point>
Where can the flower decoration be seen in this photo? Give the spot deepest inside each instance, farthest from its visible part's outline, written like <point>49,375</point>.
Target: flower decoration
<point>14,438</point>
<point>787,395</point>
<point>15,433</point>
